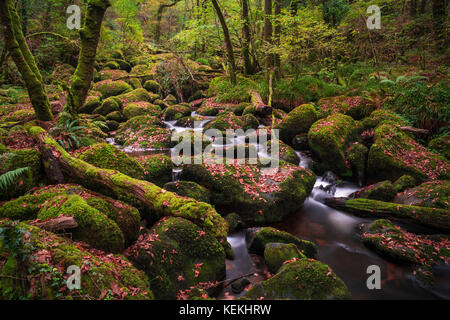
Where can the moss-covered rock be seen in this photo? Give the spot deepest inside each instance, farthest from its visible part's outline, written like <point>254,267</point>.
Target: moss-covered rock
<point>25,158</point>
<point>394,154</point>
<point>175,112</point>
<point>110,88</point>
<point>258,238</point>
<point>275,254</point>
<point>177,254</point>
<point>106,156</point>
<point>329,139</point>
<point>120,221</point>
<point>170,99</point>
<point>144,132</point>
<point>137,95</point>
<point>91,103</point>
<point>297,121</point>
<point>440,145</point>
<point>404,182</point>
<point>189,189</point>
<point>228,120</point>
<point>356,107</point>
<point>142,108</point>
<point>234,222</point>
<point>114,116</point>
<point>400,246</point>
<point>285,152</point>
<point>379,116</point>
<point>208,110</point>
<point>432,194</point>
<point>157,168</point>
<point>356,158</point>
<point>36,262</point>
<point>383,191</point>
<point>108,105</point>
<point>151,86</point>
<point>303,279</point>
<point>259,195</point>
<point>110,75</point>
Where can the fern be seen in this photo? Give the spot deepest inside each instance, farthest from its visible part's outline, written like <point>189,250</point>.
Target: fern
<point>8,178</point>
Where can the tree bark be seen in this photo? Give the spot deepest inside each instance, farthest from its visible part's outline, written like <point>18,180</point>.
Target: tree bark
<point>268,30</point>
<point>89,35</point>
<point>159,18</point>
<point>260,107</point>
<point>439,14</point>
<point>55,224</point>
<point>151,200</point>
<point>248,64</point>
<point>277,35</point>
<point>228,44</point>
<point>24,60</point>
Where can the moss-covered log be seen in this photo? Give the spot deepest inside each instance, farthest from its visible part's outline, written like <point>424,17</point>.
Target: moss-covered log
<point>24,60</point>
<point>153,201</point>
<point>89,35</point>
<point>430,217</point>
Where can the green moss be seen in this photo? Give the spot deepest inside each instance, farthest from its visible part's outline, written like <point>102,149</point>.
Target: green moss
<point>440,145</point>
<point>157,168</point>
<point>432,194</point>
<point>44,258</point>
<point>176,112</point>
<point>137,95</point>
<point>383,191</point>
<point>151,86</point>
<point>286,153</point>
<point>404,182</point>
<point>104,155</point>
<point>297,121</point>
<point>182,255</point>
<point>114,116</point>
<point>356,107</point>
<point>228,120</point>
<point>357,158</point>
<point>301,280</point>
<point>381,115</point>
<point>189,189</point>
<point>258,238</point>
<point>109,88</point>
<point>141,108</point>
<point>275,254</point>
<point>109,105</point>
<point>329,139</point>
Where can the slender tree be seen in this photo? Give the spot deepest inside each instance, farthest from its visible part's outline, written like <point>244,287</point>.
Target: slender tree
<point>159,18</point>
<point>24,60</point>
<point>277,35</point>
<point>249,66</point>
<point>268,30</point>
<point>439,14</point>
<point>228,45</point>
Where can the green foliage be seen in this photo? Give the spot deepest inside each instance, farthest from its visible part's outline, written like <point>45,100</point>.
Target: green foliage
<point>10,177</point>
<point>68,134</point>
<point>334,11</point>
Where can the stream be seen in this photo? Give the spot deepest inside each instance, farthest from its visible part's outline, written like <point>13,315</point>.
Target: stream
<point>337,235</point>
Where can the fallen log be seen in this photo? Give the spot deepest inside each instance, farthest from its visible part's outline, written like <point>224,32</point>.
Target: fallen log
<point>416,130</point>
<point>430,217</point>
<point>55,224</point>
<point>260,107</point>
<point>151,200</point>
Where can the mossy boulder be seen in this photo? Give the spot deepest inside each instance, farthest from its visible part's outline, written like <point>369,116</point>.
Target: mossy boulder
<point>394,154</point>
<point>170,99</point>
<point>260,195</point>
<point>177,254</point>
<point>189,189</point>
<point>108,105</point>
<point>285,152</point>
<point>297,121</point>
<point>208,110</point>
<point>35,264</point>
<point>91,103</point>
<point>25,158</point>
<point>276,254</point>
<point>383,191</point>
<point>151,86</point>
<point>112,65</point>
<point>258,238</point>
<point>228,120</point>
<point>356,158</point>
<point>432,194</point>
<point>175,112</point>
<point>144,132</point>
<point>440,145</point>
<point>356,107</point>
<point>400,246</point>
<point>110,75</point>
<point>110,88</point>
<point>137,95</point>
<point>116,224</point>
<point>114,116</point>
<point>142,108</point>
<point>303,279</point>
<point>329,139</point>
<point>107,156</point>
<point>141,122</point>
<point>379,116</point>
<point>404,182</point>
<point>157,168</point>
<point>234,222</point>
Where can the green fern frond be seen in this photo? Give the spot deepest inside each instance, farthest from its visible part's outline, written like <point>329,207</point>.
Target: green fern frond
<point>8,178</point>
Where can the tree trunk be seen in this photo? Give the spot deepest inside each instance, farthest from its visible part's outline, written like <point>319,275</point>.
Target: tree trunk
<point>261,108</point>
<point>413,8</point>
<point>228,45</point>
<point>268,30</point>
<point>248,64</point>
<point>277,34</point>
<point>159,18</point>
<point>24,60</point>
<point>89,36</point>
<point>152,201</point>
<point>439,13</point>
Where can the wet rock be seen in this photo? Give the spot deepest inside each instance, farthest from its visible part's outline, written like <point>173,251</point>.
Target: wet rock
<point>234,221</point>
<point>300,142</point>
<point>258,238</point>
<point>432,194</point>
<point>383,191</point>
<point>304,279</point>
<point>239,285</point>
<point>404,182</point>
<point>177,254</point>
<point>275,254</point>
<point>175,112</point>
<point>157,168</point>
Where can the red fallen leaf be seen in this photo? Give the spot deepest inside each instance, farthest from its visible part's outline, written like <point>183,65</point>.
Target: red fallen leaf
<point>115,288</point>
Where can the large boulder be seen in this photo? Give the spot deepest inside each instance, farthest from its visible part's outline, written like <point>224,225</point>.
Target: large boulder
<point>440,145</point>
<point>276,254</point>
<point>177,254</point>
<point>228,120</point>
<point>356,107</point>
<point>107,156</point>
<point>329,139</point>
<point>258,194</point>
<point>104,223</point>
<point>303,279</point>
<point>109,88</point>
<point>176,112</point>
<point>142,108</point>
<point>380,116</point>
<point>258,238</point>
<point>189,189</point>
<point>34,262</point>
<point>394,154</point>
<point>297,121</point>
<point>384,191</point>
<point>157,168</point>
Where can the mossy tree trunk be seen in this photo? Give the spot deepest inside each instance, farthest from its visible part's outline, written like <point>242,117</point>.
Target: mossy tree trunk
<point>89,36</point>
<point>249,66</point>
<point>159,18</point>
<point>268,32</point>
<point>151,200</point>
<point>277,35</point>
<point>24,60</point>
<point>228,44</point>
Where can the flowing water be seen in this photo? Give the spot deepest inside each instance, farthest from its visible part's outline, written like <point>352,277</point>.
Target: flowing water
<point>337,235</point>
